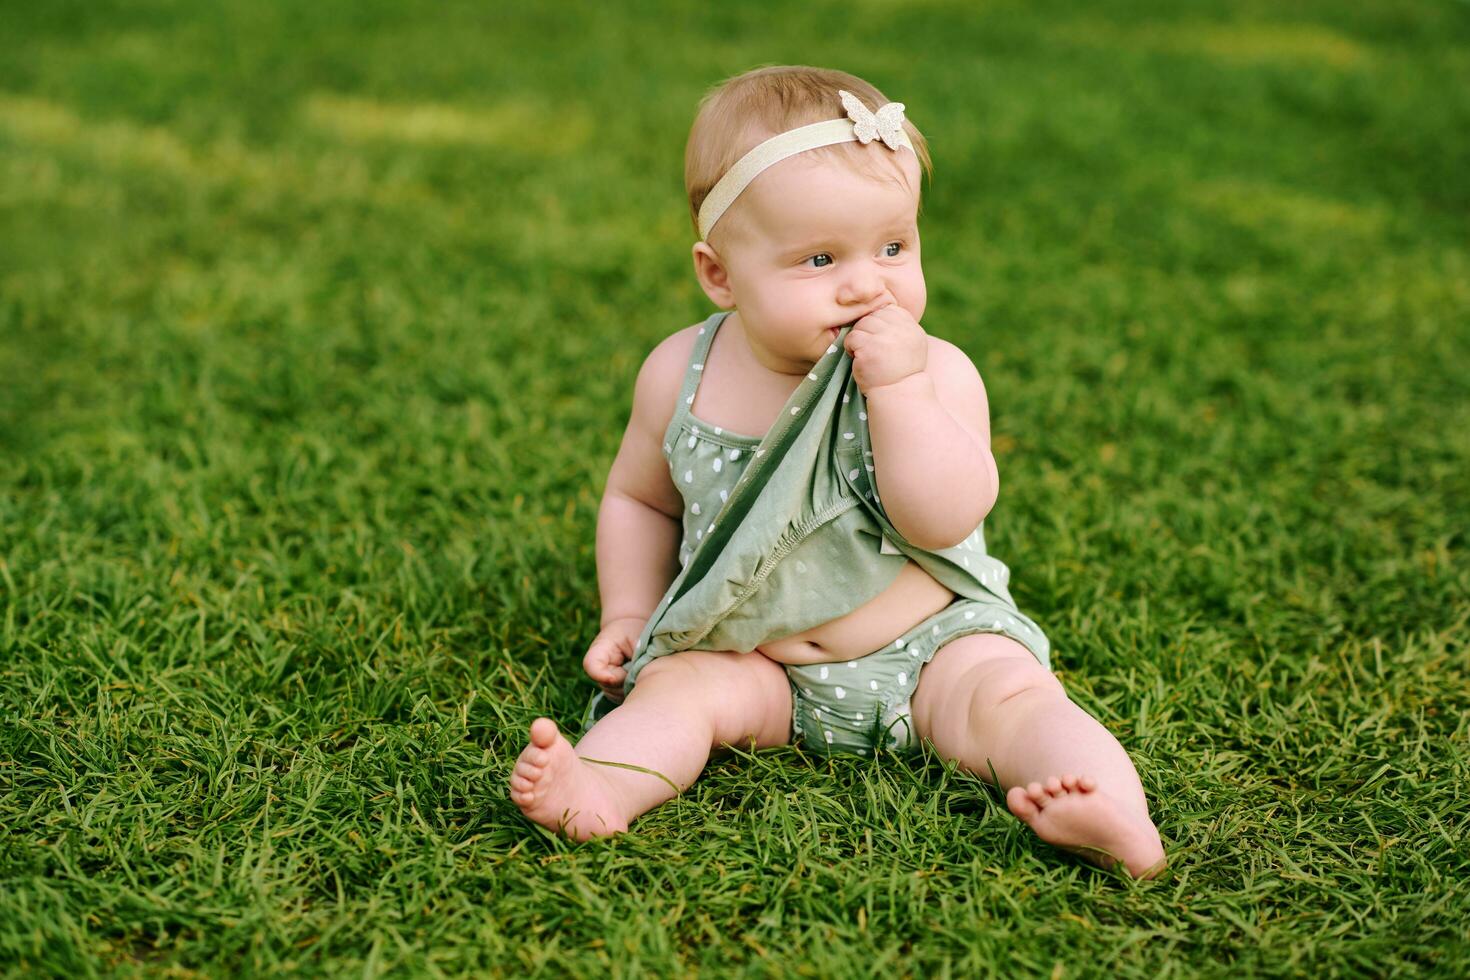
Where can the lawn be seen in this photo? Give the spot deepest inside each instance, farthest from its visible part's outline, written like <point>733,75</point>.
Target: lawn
<point>318,325</point>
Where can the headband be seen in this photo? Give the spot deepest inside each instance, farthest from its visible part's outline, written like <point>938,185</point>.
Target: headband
<point>860,126</point>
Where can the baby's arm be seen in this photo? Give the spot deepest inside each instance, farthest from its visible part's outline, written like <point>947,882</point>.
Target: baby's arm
<point>638,523</point>
<point>931,449</point>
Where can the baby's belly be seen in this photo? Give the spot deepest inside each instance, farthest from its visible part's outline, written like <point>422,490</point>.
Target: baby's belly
<point>913,597</point>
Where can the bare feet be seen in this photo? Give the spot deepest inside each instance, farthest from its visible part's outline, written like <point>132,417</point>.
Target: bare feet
<point>1073,814</point>
<point>556,789</point>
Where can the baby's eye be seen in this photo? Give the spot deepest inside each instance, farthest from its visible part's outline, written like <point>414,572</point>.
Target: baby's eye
<point>821,260</point>
<point>892,249</point>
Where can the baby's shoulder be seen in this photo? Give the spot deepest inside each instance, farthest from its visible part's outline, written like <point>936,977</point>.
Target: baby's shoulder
<point>669,358</point>
<point>663,369</point>
<point>661,377</point>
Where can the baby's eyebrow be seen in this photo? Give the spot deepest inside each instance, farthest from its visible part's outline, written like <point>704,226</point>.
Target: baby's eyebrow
<point>899,229</point>
<point>806,248</point>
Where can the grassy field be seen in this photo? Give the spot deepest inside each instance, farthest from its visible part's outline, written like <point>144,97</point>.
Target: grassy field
<point>318,324</point>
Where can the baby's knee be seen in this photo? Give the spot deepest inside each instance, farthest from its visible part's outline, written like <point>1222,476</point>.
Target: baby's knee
<point>744,695</point>
<point>995,685</point>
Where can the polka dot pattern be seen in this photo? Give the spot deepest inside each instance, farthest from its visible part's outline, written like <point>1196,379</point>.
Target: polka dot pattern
<point>709,462</point>
<point>870,707</point>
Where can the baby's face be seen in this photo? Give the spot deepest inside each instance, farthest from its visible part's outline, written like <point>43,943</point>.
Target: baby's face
<point>817,246</point>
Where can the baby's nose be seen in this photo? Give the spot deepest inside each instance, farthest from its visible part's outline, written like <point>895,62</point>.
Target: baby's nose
<point>864,285</point>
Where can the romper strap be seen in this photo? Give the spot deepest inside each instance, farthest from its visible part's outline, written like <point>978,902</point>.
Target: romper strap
<point>692,375</point>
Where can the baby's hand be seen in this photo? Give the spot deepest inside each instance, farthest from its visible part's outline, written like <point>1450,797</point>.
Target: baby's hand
<point>609,651</point>
<point>886,346</point>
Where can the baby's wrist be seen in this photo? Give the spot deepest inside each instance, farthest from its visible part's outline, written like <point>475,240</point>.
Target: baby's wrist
<point>916,385</point>
<point>608,621</point>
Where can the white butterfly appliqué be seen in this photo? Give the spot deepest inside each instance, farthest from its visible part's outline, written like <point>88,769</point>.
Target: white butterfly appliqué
<point>885,124</point>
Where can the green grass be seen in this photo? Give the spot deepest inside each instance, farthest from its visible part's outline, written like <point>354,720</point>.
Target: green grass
<point>318,325</point>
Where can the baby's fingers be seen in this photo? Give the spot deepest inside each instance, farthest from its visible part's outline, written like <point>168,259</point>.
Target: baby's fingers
<point>597,661</point>
<point>609,676</point>
<point>602,660</point>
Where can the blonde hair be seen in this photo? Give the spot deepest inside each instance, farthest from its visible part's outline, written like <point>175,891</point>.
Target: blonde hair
<point>745,110</point>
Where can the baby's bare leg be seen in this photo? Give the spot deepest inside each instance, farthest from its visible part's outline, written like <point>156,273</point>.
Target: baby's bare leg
<point>683,706</point>
<point>985,702</point>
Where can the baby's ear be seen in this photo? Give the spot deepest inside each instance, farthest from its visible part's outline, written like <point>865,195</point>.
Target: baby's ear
<point>714,276</point>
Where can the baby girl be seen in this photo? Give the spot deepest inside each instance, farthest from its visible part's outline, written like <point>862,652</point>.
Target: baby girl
<point>789,546</point>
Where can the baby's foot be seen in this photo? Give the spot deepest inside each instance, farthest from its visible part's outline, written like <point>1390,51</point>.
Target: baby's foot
<point>1074,815</point>
<point>561,792</point>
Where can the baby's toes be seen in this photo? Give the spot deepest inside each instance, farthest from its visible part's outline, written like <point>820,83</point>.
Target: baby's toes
<point>1037,794</point>
<point>1087,784</point>
<point>543,735</point>
<point>525,777</point>
<point>1054,786</point>
<point>1019,801</point>
<point>1069,783</point>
